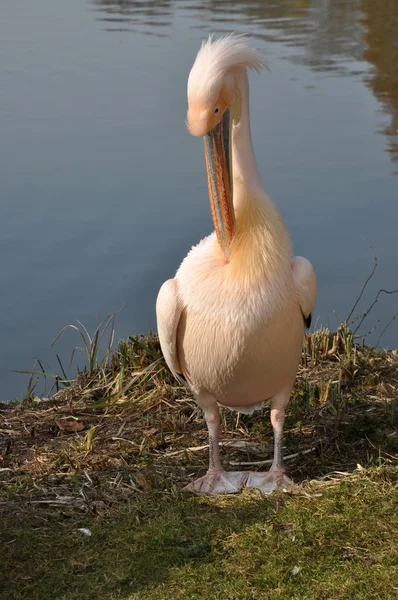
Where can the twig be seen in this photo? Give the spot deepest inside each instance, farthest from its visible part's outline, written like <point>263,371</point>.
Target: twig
<point>127,441</point>
<point>366,282</point>
<point>192,449</point>
<point>231,444</point>
<point>270,460</point>
<point>365,314</point>
<point>55,502</point>
<point>387,326</point>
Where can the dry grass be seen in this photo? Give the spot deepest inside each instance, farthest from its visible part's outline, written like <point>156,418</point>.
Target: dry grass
<point>143,432</point>
<point>135,439</point>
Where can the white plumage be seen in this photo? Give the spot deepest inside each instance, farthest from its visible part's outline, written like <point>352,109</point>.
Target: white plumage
<point>232,320</point>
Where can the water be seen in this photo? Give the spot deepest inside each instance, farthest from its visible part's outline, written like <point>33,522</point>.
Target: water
<point>103,191</point>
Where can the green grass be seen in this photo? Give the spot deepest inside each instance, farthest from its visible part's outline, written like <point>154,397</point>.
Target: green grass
<point>342,538</point>
<point>141,438</point>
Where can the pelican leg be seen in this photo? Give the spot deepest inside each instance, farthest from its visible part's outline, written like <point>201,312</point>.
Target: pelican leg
<point>276,477</point>
<point>216,480</point>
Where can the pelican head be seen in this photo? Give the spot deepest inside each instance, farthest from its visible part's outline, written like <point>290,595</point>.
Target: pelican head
<point>213,107</point>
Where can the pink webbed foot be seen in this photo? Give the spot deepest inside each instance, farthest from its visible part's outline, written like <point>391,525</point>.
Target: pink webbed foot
<point>269,481</point>
<point>217,482</point>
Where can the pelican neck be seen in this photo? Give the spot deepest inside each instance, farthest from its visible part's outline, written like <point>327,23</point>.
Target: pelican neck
<point>246,178</point>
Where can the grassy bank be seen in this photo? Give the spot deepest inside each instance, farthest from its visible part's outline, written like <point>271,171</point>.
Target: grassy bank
<point>110,452</point>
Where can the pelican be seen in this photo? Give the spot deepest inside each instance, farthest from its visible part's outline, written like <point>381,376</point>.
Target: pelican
<point>231,323</point>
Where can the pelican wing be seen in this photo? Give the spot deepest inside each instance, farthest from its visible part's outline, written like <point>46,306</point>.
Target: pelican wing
<point>168,313</point>
<point>305,280</point>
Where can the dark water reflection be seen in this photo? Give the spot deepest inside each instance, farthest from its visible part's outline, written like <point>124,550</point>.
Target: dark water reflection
<point>103,191</point>
<point>331,35</point>
<point>130,16</point>
<point>380,22</point>
<point>328,32</point>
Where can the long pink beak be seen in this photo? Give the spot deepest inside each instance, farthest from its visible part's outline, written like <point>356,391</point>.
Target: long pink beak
<point>219,178</point>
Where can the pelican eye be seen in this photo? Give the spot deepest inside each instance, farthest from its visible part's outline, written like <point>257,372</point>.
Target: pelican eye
<point>217,109</point>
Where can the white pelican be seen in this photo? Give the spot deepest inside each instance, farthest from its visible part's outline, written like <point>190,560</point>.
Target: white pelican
<point>232,320</point>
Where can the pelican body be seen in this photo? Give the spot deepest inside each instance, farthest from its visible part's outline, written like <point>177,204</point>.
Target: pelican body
<point>231,323</point>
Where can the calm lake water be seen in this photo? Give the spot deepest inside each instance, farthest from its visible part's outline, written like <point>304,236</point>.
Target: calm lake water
<point>103,191</point>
